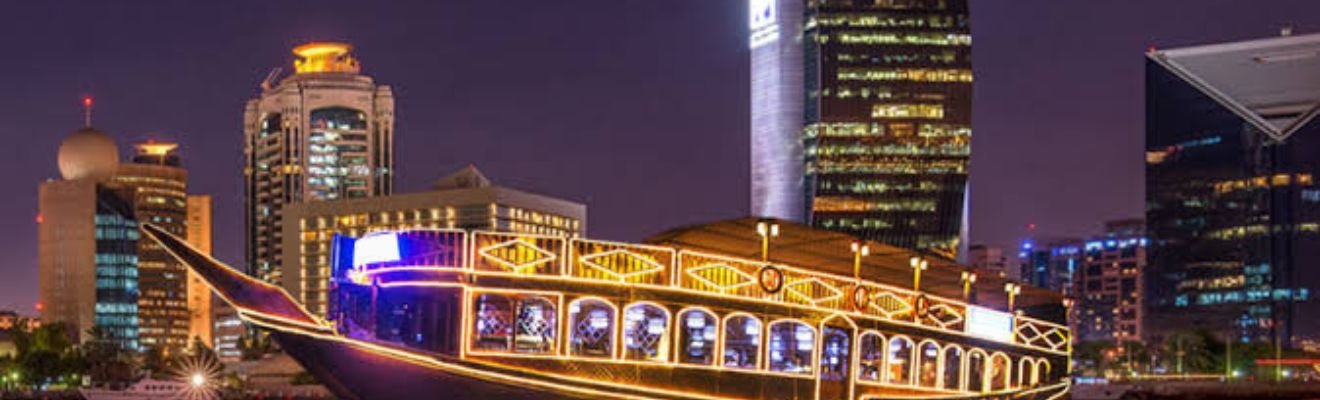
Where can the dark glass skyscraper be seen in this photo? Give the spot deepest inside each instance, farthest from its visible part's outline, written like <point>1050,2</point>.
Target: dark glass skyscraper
<point>886,94</point>
<point>1231,202</point>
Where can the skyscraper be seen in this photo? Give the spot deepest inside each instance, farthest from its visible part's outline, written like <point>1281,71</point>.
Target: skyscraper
<point>861,117</point>
<point>324,133</point>
<point>200,312</point>
<point>1232,149</point>
<point>87,251</point>
<point>156,186</point>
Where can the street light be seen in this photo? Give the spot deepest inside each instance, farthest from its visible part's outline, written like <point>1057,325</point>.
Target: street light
<point>1013,290</point>
<point>766,230</point>
<point>918,264</point>
<point>859,250</point>
<point>968,278</point>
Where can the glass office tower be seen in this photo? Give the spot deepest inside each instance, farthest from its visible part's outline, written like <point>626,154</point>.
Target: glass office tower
<point>116,233</point>
<point>1231,202</point>
<point>887,132</point>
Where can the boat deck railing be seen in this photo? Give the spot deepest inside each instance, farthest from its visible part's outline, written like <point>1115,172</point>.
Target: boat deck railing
<point>605,262</point>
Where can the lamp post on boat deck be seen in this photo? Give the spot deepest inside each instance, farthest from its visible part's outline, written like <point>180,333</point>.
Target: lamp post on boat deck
<point>859,250</point>
<point>968,278</point>
<point>766,230</point>
<point>918,264</point>
<point>1013,290</point>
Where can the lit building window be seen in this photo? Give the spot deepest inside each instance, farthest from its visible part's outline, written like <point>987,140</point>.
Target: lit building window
<point>592,332</point>
<point>871,356</point>
<point>493,323</point>
<point>644,332</point>
<point>534,331</point>
<point>792,345</point>
<point>696,336</point>
<point>900,361</point>
<point>834,356</point>
<point>742,342</point>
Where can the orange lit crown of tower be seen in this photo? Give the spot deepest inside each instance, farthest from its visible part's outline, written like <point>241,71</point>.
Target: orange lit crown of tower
<point>325,57</point>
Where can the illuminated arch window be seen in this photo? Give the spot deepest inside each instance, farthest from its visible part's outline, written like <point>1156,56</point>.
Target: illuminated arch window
<point>645,332</point>
<point>492,328</point>
<point>953,356</point>
<point>899,362</point>
<point>792,345</point>
<point>976,362</point>
<point>1042,371</point>
<point>1025,372</point>
<point>999,372</point>
<point>870,357</point>
<point>534,327</point>
<point>834,355</point>
<point>928,364</point>
<point>591,329</point>
<point>696,337</point>
<point>742,341</point>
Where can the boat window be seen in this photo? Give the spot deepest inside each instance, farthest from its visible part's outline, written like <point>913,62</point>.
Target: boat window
<point>976,361</point>
<point>1025,372</point>
<point>645,328</point>
<point>535,328</point>
<point>792,345</point>
<point>871,356</point>
<point>953,356</point>
<point>592,329</point>
<point>1042,371</point>
<point>900,361</point>
<point>999,364</point>
<point>928,364</point>
<point>696,337</point>
<point>493,323</point>
<point>742,342</point>
<point>834,358</point>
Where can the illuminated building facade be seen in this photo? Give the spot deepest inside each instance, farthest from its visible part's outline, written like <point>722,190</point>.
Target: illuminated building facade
<point>1231,202</point>
<point>87,247</point>
<point>156,186</point>
<point>861,117</point>
<point>324,133</point>
<point>686,315</point>
<point>463,200</point>
<point>777,105</point>
<point>198,227</point>
<point>1040,265</point>
<point>1103,276</point>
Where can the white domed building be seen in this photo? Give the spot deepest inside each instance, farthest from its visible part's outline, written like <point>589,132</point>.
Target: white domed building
<point>88,153</point>
<point>87,233</point>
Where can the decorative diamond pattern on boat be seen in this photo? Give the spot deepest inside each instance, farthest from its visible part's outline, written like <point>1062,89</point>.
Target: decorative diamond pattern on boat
<point>889,304</point>
<point>813,291</point>
<point>517,255</point>
<point>722,277</point>
<point>1031,333</point>
<point>587,333</point>
<point>943,316</point>
<point>621,264</point>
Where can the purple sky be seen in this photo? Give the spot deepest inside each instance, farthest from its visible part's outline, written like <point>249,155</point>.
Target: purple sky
<point>637,107</point>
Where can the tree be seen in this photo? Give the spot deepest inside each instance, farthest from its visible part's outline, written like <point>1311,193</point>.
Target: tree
<point>107,361</point>
<point>1198,351</point>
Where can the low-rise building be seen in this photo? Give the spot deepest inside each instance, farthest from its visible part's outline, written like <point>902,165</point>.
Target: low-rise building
<point>463,200</point>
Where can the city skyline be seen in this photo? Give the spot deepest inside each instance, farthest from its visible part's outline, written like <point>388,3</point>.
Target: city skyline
<point>473,118</point>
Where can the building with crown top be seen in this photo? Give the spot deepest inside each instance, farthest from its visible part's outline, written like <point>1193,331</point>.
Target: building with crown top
<point>324,133</point>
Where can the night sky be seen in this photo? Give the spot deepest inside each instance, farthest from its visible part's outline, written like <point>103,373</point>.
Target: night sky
<point>637,107</point>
